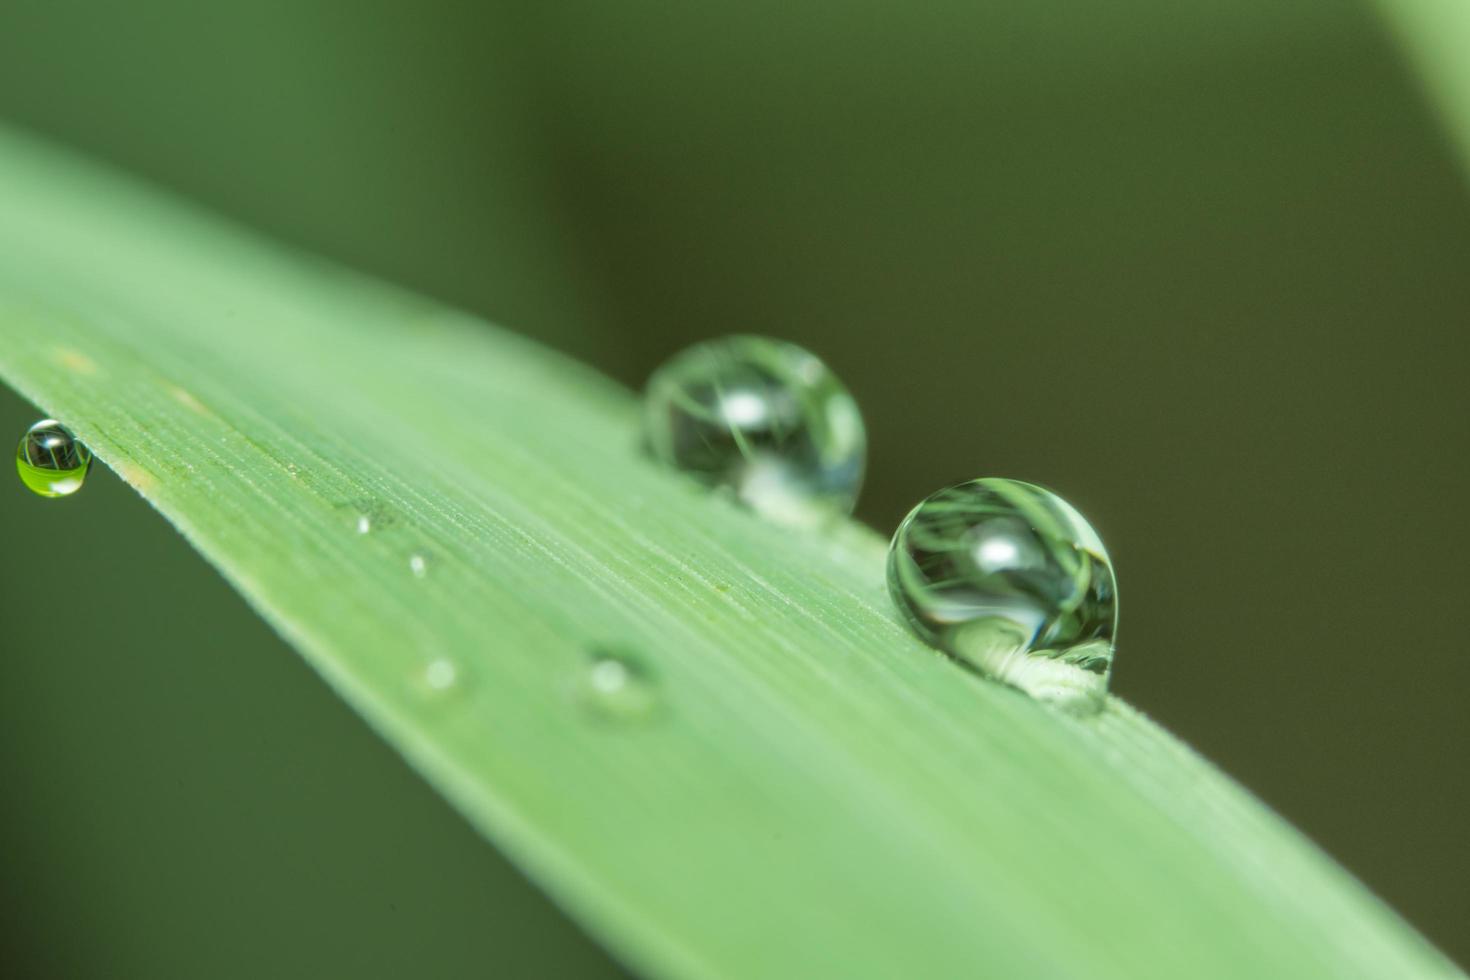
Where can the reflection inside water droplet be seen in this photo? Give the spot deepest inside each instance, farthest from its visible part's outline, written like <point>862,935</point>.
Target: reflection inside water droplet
<point>418,563</point>
<point>618,687</point>
<point>1011,580</point>
<point>51,461</point>
<point>761,420</point>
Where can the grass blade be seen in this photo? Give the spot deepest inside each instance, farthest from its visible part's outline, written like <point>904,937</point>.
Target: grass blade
<point>1435,34</point>
<point>450,522</point>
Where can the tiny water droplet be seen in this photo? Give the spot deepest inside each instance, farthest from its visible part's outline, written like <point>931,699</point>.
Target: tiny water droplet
<point>763,419</point>
<point>366,516</point>
<point>615,686</point>
<point>441,674</point>
<point>1009,579</point>
<point>418,563</point>
<point>50,460</point>
<point>440,679</point>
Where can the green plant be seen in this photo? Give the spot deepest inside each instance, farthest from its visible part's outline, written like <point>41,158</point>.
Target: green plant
<point>453,525</point>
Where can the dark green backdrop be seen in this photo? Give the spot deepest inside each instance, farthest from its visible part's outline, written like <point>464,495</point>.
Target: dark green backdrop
<point>1201,267</point>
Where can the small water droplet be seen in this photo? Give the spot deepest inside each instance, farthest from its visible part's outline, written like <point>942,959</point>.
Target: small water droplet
<point>367,516</point>
<point>418,563</point>
<point>50,460</point>
<point>441,674</point>
<point>618,687</point>
<point>440,679</point>
<point>764,419</point>
<point>1009,579</point>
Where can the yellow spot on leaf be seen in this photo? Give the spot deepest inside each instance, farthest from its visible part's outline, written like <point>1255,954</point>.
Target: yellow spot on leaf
<point>139,478</point>
<point>187,399</point>
<point>75,361</point>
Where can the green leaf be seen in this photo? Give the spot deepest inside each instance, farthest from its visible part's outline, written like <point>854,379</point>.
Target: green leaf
<point>1436,36</point>
<point>450,523</point>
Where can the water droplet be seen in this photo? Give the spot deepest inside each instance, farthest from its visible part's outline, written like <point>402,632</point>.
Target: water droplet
<point>439,680</point>
<point>418,563</point>
<point>441,675</point>
<point>367,516</point>
<point>51,461</point>
<point>615,686</point>
<point>1010,579</point>
<point>763,419</point>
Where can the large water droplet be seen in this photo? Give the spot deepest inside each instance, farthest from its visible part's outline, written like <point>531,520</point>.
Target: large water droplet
<point>51,461</point>
<point>764,419</point>
<point>615,686</point>
<point>1011,580</point>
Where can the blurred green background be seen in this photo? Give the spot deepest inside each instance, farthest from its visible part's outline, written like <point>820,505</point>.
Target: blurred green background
<point>1200,267</point>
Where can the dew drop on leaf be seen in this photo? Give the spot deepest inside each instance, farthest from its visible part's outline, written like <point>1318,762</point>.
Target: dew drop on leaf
<point>1009,579</point>
<point>441,674</point>
<point>50,460</point>
<point>441,678</point>
<point>618,687</point>
<point>763,420</point>
<point>366,516</point>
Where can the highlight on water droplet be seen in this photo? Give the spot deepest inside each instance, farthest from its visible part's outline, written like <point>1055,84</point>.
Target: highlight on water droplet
<point>1009,579</point>
<point>763,419</point>
<point>418,563</point>
<point>619,687</point>
<point>50,460</point>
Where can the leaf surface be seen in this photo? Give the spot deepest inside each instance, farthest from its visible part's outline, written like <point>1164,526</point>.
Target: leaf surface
<point>450,523</point>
